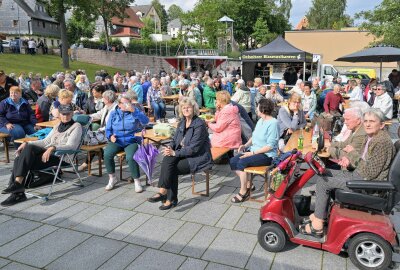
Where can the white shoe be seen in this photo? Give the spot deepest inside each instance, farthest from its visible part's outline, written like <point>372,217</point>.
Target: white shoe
<point>138,186</point>
<point>111,183</point>
<point>82,167</point>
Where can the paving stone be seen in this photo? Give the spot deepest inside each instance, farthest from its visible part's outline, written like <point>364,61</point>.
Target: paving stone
<point>104,221</point>
<point>217,266</point>
<point>42,211</point>
<point>14,228</point>
<point>154,232</point>
<point>127,201</point>
<point>153,259</point>
<point>261,259</point>
<point>249,222</point>
<point>184,206</point>
<point>231,248</point>
<point>25,240</point>
<point>49,247</point>
<point>333,261</point>
<point>89,255</point>
<point>108,196</point>
<point>193,264</point>
<point>223,194</point>
<point>200,242</point>
<point>207,213</point>
<point>4,218</point>
<point>123,258</point>
<point>179,240</point>
<point>18,266</point>
<point>231,217</point>
<point>66,213</point>
<point>88,193</point>
<point>128,226</point>
<point>290,258</point>
<point>11,210</point>
<point>4,262</point>
<point>81,216</point>
<point>151,208</point>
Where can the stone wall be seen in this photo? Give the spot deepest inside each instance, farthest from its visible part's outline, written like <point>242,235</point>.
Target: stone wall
<point>124,61</point>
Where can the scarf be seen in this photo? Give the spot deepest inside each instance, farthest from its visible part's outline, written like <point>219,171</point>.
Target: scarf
<point>64,126</point>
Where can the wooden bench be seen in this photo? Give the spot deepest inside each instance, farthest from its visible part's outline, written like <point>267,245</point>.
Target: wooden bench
<point>216,153</point>
<point>4,139</point>
<point>97,149</point>
<point>258,170</point>
<point>121,156</point>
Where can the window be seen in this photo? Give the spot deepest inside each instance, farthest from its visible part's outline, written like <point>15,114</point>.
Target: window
<point>52,43</point>
<point>44,24</point>
<point>14,23</point>
<point>38,24</point>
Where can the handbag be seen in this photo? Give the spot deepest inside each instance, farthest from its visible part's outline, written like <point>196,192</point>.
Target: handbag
<point>95,137</point>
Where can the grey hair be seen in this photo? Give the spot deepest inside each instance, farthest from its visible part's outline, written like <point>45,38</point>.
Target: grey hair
<point>329,84</point>
<point>110,95</point>
<point>282,82</point>
<point>355,111</point>
<point>60,76</point>
<point>240,82</point>
<point>134,79</point>
<point>362,105</point>
<point>130,94</point>
<point>382,86</point>
<point>188,101</point>
<point>71,81</point>
<point>98,79</point>
<point>377,113</point>
<point>183,83</point>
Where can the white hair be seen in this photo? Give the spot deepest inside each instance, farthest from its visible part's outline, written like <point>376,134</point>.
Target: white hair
<point>282,82</point>
<point>133,79</point>
<point>329,84</point>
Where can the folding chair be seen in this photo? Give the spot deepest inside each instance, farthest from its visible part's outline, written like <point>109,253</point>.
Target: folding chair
<point>70,155</point>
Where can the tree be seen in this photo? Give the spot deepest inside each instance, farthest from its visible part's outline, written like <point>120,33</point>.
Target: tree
<point>261,33</point>
<point>284,7</point>
<point>162,13</point>
<point>174,12</point>
<point>383,22</point>
<point>328,14</point>
<point>79,27</point>
<point>148,28</point>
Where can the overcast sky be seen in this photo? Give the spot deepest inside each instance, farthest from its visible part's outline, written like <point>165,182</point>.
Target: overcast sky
<point>299,9</point>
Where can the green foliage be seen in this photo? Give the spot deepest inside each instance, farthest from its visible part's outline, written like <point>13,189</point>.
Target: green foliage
<point>148,29</point>
<point>162,13</point>
<point>174,12</point>
<point>383,22</point>
<point>284,7</point>
<point>328,14</point>
<point>261,34</point>
<point>79,27</point>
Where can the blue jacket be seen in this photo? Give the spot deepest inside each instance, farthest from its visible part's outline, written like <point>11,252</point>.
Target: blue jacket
<point>139,91</point>
<point>196,144</point>
<point>124,125</point>
<point>145,87</point>
<point>81,98</point>
<point>10,114</point>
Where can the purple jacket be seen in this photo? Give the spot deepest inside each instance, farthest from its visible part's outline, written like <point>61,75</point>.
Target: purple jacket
<point>10,114</point>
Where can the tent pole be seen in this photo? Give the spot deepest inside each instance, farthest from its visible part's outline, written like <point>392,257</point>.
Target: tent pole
<point>380,72</point>
<point>304,71</point>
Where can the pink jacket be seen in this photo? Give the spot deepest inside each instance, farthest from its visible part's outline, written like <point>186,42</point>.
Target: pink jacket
<point>226,129</point>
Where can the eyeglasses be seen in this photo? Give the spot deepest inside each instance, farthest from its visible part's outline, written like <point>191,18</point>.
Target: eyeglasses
<point>379,88</point>
<point>373,88</point>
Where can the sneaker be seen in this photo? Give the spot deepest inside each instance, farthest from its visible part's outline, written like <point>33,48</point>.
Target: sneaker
<point>14,187</point>
<point>138,186</point>
<point>82,167</point>
<point>111,183</point>
<point>14,199</point>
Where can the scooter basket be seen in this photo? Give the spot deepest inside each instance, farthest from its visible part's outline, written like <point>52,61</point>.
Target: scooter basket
<point>276,180</point>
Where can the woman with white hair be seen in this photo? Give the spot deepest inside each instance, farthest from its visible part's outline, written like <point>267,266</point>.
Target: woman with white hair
<point>298,88</point>
<point>83,83</point>
<point>154,99</point>
<point>383,102</point>
<point>242,96</point>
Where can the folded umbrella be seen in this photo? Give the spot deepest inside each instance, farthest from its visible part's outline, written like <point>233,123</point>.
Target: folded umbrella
<point>146,156</point>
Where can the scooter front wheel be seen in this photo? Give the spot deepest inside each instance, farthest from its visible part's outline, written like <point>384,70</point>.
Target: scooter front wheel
<point>369,251</point>
<point>272,237</point>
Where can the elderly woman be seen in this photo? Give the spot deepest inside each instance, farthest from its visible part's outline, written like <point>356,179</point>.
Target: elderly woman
<point>64,97</point>
<point>119,84</point>
<point>291,117</point>
<point>109,100</point>
<point>243,96</point>
<point>16,116</point>
<point>95,101</point>
<point>309,101</point>
<point>154,99</point>
<point>121,127</point>
<point>83,83</point>
<point>165,88</point>
<point>226,128</point>
<point>39,154</point>
<point>383,102</point>
<point>274,95</point>
<point>209,95</point>
<point>356,92</point>
<point>43,104</point>
<point>260,149</point>
<point>189,152</point>
<point>371,163</point>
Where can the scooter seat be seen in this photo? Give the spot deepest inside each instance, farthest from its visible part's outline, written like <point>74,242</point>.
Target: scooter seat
<point>361,200</point>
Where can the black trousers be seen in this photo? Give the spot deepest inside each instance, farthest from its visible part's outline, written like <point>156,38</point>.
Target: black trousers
<point>31,159</point>
<point>171,167</point>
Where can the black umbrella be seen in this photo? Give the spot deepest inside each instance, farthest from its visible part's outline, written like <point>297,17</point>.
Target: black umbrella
<point>374,54</point>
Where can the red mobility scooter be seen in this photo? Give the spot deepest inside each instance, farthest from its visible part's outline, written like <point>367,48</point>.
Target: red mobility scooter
<point>357,222</point>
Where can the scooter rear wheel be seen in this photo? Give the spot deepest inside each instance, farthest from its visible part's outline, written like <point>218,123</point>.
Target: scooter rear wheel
<point>369,251</point>
<point>272,237</point>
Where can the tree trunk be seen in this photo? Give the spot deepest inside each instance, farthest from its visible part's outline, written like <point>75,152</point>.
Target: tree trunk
<point>106,32</point>
<point>64,39</point>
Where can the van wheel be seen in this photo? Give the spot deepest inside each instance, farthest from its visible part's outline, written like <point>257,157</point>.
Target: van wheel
<point>369,251</point>
<point>272,237</point>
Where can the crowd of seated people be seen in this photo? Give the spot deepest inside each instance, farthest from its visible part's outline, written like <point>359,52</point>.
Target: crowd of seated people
<point>252,119</point>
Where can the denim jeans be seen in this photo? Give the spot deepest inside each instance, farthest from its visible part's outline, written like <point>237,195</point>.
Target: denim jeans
<point>18,131</point>
<point>239,164</point>
<point>159,109</point>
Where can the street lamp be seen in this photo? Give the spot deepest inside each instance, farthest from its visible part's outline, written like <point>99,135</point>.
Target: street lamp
<point>19,26</point>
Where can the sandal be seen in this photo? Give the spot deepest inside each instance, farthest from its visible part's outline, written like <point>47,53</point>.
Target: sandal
<point>243,197</point>
<point>159,198</point>
<point>314,232</point>
<point>305,221</point>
